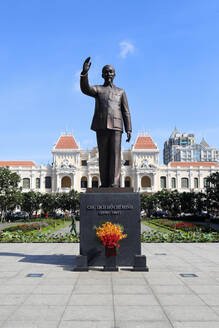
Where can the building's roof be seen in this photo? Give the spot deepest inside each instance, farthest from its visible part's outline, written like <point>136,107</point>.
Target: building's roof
<point>17,163</point>
<point>66,142</point>
<point>144,142</point>
<point>196,164</point>
<point>174,133</point>
<point>204,143</point>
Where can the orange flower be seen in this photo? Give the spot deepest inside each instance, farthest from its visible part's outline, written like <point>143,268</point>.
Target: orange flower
<point>110,234</point>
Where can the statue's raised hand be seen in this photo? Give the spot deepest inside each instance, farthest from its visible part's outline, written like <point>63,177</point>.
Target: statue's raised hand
<point>86,66</point>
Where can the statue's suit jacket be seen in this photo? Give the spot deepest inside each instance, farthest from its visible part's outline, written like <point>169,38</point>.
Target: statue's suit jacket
<point>111,106</point>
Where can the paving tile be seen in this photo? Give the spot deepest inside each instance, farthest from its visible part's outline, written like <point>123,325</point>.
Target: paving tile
<point>171,289</point>
<point>141,300</point>
<point>143,324</point>
<point>8,274</point>
<point>196,324</point>
<point>47,299</point>
<point>12,299</point>
<point>93,289</point>
<point>205,289</point>
<point>190,313</point>
<point>16,289</point>
<point>54,282</point>
<point>210,299</point>
<point>30,324</point>
<point>91,299</point>
<point>6,311</point>
<point>139,313</point>
<point>104,281</point>
<point>129,281</point>
<point>186,299</point>
<point>88,313</point>
<point>23,281</point>
<point>164,281</point>
<point>216,309</point>
<point>53,289</point>
<point>87,324</point>
<point>131,289</point>
<point>37,313</point>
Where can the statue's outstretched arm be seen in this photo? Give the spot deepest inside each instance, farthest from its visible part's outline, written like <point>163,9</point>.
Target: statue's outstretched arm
<point>84,83</point>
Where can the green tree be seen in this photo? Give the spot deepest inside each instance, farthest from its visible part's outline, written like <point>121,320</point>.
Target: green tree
<point>31,202</point>
<point>49,203</point>
<point>212,191</point>
<point>149,203</point>
<point>68,201</point>
<point>9,191</point>
<point>187,200</point>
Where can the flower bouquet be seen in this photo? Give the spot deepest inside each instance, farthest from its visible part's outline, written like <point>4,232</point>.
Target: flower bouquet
<point>110,235</point>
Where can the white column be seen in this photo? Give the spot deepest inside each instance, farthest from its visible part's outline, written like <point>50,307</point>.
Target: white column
<point>191,181</point>
<point>122,182</point>
<point>178,181</point>
<point>89,182</point>
<point>138,182</point>
<point>32,182</point>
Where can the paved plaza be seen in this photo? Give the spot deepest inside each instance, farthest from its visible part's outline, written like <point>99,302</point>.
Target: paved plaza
<point>61,298</point>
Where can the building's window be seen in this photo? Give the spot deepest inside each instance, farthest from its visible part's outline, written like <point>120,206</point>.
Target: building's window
<point>66,182</point>
<point>83,182</point>
<point>146,182</point>
<point>185,183</point>
<point>94,182</point>
<point>173,183</point>
<point>127,182</point>
<point>126,163</point>
<point>163,182</point>
<point>83,162</point>
<point>37,183</point>
<point>205,182</point>
<point>26,183</point>
<point>48,182</point>
<point>195,183</point>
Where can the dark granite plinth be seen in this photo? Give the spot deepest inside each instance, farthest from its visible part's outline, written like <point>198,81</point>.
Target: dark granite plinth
<point>122,208</point>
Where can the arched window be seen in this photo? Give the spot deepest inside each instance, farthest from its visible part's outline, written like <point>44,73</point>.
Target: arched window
<point>127,182</point>
<point>195,183</point>
<point>205,182</point>
<point>94,182</point>
<point>48,182</point>
<point>163,182</point>
<point>66,182</point>
<point>26,183</point>
<point>37,183</point>
<point>185,183</point>
<point>173,183</point>
<point>145,182</point>
<point>83,182</point>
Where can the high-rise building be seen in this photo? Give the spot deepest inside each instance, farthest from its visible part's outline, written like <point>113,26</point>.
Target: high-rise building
<point>177,140</point>
<point>183,148</point>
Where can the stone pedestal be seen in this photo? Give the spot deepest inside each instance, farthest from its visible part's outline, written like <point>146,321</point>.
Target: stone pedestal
<point>117,207</point>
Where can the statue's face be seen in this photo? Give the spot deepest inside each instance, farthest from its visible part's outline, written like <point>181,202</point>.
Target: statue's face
<point>108,73</point>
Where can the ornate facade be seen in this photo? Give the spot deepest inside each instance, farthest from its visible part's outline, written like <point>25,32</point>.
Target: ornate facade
<point>74,168</point>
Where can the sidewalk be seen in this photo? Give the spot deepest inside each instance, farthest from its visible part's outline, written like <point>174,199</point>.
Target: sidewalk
<point>61,298</point>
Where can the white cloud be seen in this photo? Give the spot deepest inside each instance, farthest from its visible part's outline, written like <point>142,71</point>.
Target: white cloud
<point>126,48</point>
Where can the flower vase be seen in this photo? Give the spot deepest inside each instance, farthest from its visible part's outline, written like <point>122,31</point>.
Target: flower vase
<point>110,259</point>
<point>110,251</point>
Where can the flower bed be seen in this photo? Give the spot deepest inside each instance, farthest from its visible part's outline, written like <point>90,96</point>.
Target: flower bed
<point>179,237</point>
<point>174,225</point>
<point>27,227</point>
<point>36,237</point>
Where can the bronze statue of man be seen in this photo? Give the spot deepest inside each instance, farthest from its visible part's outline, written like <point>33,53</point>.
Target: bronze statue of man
<point>111,112</point>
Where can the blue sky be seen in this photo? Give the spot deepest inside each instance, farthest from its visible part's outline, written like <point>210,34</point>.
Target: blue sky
<point>166,56</point>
